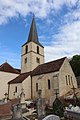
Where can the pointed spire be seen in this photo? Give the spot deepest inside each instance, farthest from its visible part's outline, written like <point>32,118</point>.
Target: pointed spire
<point>33,35</point>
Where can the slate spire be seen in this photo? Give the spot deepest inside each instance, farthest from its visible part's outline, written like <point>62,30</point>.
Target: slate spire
<point>33,35</point>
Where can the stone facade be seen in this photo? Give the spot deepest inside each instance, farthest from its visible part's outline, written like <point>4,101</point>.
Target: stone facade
<point>57,82</point>
<point>48,83</point>
<point>31,59</point>
<point>66,78</point>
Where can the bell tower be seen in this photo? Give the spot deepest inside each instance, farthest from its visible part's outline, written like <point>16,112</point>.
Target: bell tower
<point>32,51</point>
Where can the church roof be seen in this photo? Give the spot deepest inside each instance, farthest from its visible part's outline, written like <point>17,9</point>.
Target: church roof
<point>5,67</point>
<point>20,78</point>
<point>33,35</point>
<point>52,66</point>
<point>41,69</point>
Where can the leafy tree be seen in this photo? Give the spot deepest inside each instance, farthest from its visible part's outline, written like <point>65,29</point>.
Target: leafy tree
<point>75,64</point>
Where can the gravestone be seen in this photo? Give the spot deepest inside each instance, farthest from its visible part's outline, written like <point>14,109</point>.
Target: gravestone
<point>40,106</point>
<point>22,99</point>
<point>51,117</point>
<point>6,98</point>
<point>16,112</point>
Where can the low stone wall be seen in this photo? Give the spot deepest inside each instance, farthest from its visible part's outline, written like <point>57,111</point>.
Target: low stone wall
<point>5,109</point>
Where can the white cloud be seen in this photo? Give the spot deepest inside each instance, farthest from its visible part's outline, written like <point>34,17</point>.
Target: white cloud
<point>67,42</point>
<point>68,36</point>
<point>41,8</point>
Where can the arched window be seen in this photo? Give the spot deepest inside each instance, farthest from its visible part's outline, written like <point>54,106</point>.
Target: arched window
<point>66,80</point>
<point>69,79</point>
<point>49,85</point>
<point>26,49</point>
<point>16,89</point>
<point>37,49</point>
<point>36,87</point>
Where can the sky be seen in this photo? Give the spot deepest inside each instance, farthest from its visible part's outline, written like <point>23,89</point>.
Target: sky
<point>58,27</point>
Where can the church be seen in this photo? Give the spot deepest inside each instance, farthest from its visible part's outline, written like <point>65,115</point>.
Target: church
<point>36,75</point>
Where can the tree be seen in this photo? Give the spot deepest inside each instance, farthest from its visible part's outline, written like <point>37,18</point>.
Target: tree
<point>75,64</point>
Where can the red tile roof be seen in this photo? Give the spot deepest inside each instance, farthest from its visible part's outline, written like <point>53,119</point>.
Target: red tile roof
<point>41,69</point>
<point>52,66</point>
<point>5,67</point>
<point>20,78</point>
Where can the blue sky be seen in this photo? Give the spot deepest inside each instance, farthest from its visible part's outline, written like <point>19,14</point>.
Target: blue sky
<point>58,26</point>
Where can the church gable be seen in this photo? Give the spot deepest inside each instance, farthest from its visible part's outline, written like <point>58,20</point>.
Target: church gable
<point>66,78</point>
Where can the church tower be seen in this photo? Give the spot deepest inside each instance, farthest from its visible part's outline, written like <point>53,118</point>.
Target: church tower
<point>32,51</point>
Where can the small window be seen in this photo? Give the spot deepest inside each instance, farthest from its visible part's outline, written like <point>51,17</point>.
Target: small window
<point>26,49</point>
<point>69,79</point>
<point>37,49</point>
<point>36,87</point>
<point>49,86</point>
<point>38,60</point>
<point>25,61</point>
<point>66,80</point>
<point>15,89</point>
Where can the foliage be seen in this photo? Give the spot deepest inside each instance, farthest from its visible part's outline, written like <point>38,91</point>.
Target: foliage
<point>58,107</point>
<point>75,64</point>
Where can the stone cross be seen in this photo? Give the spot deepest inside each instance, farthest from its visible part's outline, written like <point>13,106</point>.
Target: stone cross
<point>74,96</point>
<point>22,96</point>
<point>22,99</point>
<point>73,89</point>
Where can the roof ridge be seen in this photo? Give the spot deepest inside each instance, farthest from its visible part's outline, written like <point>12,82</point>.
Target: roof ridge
<point>53,61</point>
<point>52,66</point>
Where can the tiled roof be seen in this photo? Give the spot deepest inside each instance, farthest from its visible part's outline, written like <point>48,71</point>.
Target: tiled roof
<point>20,78</point>
<point>5,67</point>
<point>41,69</point>
<point>52,66</point>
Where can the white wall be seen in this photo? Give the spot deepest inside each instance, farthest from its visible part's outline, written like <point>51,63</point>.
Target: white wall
<point>26,84</point>
<point>5,77</point>
<point>12,90</point>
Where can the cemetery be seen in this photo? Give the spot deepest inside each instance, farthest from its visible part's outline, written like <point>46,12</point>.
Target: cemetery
<point>39,110</point>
